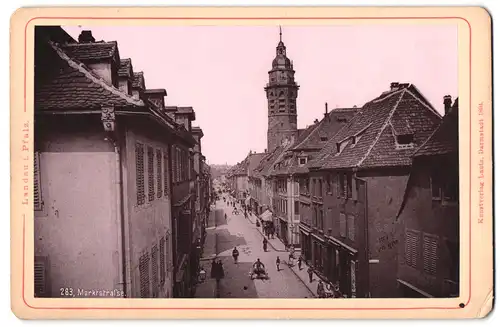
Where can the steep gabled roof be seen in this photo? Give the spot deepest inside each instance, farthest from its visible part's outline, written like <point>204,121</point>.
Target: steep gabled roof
<point>125,69</point>
<point>254,161</point>
<point>138,82</point>
<point>268,161</point>
<point>369,140</point>
<point>68,84</point>
<point>326,128</point>
<point>93,51</point>
<point>312,140</point>
<point>445,138</point>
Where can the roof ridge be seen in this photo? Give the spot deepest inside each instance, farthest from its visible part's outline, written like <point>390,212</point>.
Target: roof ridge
<point>382,128</point>
<point>93,78</point>
<point>422,102</point>
<point>390,94</point>
<point>309,135</point>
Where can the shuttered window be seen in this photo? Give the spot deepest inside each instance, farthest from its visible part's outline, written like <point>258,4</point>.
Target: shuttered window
<point>144,275</point>
<point>430,254</point>
<point>349,186</point>
<point>168,252</point>
<point>179,165</point>
<point>37,189</point>
<point>342,219</point>
<point>435,182</point>
<point>355,190</point>
<point>40,276</point>
<point>412,240</point>
<point>351,229</point>
<point>159,172</point>
<point>139,173</point>
<point>162,261</point>
<point>166,184</point>
<point>342,190</point>
<point>154,270</point>
<point>320,213</point>
<point>151,174</point>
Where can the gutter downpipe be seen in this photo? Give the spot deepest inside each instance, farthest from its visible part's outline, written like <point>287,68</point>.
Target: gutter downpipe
<point>122,239</point>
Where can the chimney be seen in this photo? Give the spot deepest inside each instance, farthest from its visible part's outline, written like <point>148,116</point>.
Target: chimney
<point>447,103</point>
<point>394,86</point>
<point>326,109</point>
<point>316,121</point>
<point>86,37</point>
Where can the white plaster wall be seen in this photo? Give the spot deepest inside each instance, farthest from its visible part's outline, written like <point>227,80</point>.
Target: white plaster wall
<point>78,229</point>
<point>123,85</point>
<point>103,70</point>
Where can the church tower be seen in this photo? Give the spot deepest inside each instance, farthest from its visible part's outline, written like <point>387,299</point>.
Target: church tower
<point>281,92</point>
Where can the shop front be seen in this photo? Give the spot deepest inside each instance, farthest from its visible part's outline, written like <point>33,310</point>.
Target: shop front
<point>283,230</point>
<point>319,255</point>
<point>343,267</point>
<point>305,243</point>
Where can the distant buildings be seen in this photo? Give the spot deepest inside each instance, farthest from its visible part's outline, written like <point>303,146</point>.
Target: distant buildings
<point>121,187</point>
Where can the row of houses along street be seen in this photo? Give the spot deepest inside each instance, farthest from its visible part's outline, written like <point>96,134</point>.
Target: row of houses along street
<point>122,189</point>
<point>368,196</point>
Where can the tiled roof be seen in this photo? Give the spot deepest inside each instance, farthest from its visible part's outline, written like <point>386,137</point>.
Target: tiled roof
<point>445,137</point>
<point>312,140</point>
<point>254,161</point>
<point>328,127</point>
<point>138,81</point>
<point>267,162</point>
<point>288,162</point>
<point>71,85</point>
<point>91,51</point>
<point>125,68</point>
<point>185,110</point>
<point>373,130</point>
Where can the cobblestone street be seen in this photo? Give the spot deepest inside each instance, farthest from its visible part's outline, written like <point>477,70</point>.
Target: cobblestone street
<point>238,231</point>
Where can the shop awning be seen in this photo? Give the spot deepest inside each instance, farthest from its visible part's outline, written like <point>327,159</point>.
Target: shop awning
<point>266,215</point>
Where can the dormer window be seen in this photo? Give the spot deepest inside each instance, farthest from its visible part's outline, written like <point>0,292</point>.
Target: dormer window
<point>341,146</point>
<point>323,138</point>
<point>404,141</point>
<point>302,161</point>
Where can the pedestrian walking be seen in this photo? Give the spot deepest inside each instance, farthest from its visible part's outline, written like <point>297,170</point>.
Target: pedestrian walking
<point>299,263</point>
<point>213,270</point>
<point>264,244</point>
<point>278,261</point>
<point>310,273</point>
<point>321,290</point>
<point>236,253</point>
<point>220,270</point>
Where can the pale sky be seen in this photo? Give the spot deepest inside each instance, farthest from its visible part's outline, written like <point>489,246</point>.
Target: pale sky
<point>221,71</point>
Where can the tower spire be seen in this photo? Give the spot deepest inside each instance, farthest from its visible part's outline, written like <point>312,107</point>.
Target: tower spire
<point>280,33</point>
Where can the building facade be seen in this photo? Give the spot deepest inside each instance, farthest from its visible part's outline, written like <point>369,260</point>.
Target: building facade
<point>428,243</point>
<point>361,175</point>
<point>112,174</point>
<point>290,172</point>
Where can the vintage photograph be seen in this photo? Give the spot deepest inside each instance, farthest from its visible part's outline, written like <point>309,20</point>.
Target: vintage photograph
<point>273,161</point>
